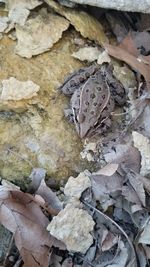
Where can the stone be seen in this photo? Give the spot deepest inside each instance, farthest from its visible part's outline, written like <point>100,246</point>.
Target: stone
<point>124,5</point>
<point>76,186</point>
<point>87,25</point>
<point>12,89</point>
<point>34,132</point>
<point>3,23</point>
<point>19,11</point>
<point>142,143</point>
<point>39,34</point>
<point>103,58</point>
<point>73,226</point>
<point>87,53</point>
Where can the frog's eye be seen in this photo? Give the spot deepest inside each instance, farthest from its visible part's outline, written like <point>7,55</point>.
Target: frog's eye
<point>98,89</point>
<point>81,79</point>
<point>86,103</point>
<point>72,83</point>
<point>87,74</point>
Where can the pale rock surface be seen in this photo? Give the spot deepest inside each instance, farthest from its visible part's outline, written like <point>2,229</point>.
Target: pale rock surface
<point>124,5</point>
<point>142,143</point>
<point>103,58</point>
<point>19,10</point>
<point>87,53</point>
<point>39,34</point>
<point>34,132</point>
<point>87,25</point>
<point>12,89</point>
<point>90,148</point>
<point>76,186</point>
<point>3,23</point>
<point>73,226</point>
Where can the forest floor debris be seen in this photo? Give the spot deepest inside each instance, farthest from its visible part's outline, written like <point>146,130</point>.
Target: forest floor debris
<point>99,216</point>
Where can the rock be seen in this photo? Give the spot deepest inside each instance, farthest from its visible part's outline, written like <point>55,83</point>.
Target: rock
<point>12,89</point>
<point>89,151</point>
<point>34,132</point>
<point>39,34</point>
<point>87,25</point>
<point>87,53</point>
<point>142,143</point>
<point>125,75</point>
<point>103,58</point>
<point>73,226</point>
<point>124,5</point>
<point>67,3</point>
<point>3,23</point>
<point>19,11</point>
<point>76,186</point>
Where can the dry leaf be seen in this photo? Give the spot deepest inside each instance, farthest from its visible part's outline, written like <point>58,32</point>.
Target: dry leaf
<point>125,251</point>
<point>123,153</point>
<point>130,195</point>
<point>20,214</point>
<point>138,186</point>
<point>108,240</point>
<point>39,187</point>
<point>52,201</point>
<point>104,186</point>
<point>128,53</point>
<point>108,170</point>
<point>145,235</point>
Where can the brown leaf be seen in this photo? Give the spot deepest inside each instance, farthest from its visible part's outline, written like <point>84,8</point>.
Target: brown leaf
<point>127,53</point>
<point>39,187</point>
<point>50,197</point>
<point>24,218</point>
<point>108,240</point>
<point>138,186</point>
<point>104,186</point>
<point>129,45</point>
<point>108,170</point>
<point>123,153</point>
<point>130,195</point>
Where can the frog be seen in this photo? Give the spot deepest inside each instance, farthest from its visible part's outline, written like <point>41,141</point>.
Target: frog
<point>93,92</point>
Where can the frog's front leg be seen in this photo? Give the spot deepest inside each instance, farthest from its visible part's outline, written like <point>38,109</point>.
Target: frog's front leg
<point>69,114</point>
<point>102,127</point>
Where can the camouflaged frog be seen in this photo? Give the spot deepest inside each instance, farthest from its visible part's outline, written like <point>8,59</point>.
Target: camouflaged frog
<point>94,91</point>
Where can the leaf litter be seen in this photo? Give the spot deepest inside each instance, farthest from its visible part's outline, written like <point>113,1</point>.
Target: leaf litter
<point>100,217</point>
